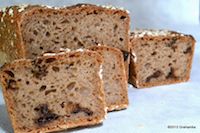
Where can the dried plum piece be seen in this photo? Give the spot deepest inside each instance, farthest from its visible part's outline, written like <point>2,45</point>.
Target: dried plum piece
<point>10,73</point>
<point>156,74</point>
<point>50,91</point>
<point>43,87</point>
<point>122,17</point>
<point>55,69</point>
<point>39,69</point>
<point>77,108</point>
<point>49,60</point>
<point>172,41</point>
<point>42,108</point>
<point>87,111</point>
<point>45,115</point>
<point>188,50</point>
<point>46,118</point>
<point>12,84</point>
<point>39,73</point>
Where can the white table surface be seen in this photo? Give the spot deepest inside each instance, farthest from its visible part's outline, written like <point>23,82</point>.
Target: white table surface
<point>151,110</point>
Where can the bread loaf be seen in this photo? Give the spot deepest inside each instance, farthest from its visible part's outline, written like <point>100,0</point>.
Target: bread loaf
<point>28,31</point>
<point>160,57</point>
<point>54,92</point>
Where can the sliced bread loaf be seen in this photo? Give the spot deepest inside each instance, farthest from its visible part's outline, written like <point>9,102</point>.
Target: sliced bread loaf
<point>114,77</point>
<point>160,57</point>
<point>28,31</point>
<point>54,92</point>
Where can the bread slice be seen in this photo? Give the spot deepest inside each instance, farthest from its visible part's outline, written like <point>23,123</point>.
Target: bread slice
<point>54,92</point>
<point>27,31</point>
<point>114,77</point>
<point>160,57</point>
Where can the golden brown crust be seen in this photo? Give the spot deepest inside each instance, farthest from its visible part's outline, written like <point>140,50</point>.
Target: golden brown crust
<point>133,79</point>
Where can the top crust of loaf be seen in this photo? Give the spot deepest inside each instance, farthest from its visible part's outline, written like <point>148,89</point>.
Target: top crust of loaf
<point>139,33</point>
<point>13,10</point>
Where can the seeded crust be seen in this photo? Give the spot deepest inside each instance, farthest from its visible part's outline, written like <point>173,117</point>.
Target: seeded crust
<point>54,92</point>
<point>114,77</point>
<point>160,57</point>
<point>78,26</point>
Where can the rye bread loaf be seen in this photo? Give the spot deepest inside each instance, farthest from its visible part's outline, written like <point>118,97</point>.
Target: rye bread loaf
<point>160,57</point>
<point>28,31</point>
<point>54,92</point>
<point>114,77</point>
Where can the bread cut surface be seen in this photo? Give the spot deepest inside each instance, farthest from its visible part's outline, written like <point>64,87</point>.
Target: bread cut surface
<point>28,31</point>
<point>114,77</point>
<point>160,57</point>
<point>54,92</point>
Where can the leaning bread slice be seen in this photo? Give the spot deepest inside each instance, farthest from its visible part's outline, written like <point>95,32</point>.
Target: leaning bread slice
<point>114,77</point>
<point>54,92</point>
